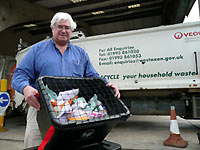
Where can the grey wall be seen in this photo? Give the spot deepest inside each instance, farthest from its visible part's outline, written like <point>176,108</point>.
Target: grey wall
<point>13,12</point>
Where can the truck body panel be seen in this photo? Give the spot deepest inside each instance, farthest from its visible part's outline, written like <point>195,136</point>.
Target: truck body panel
<point>156,58</point>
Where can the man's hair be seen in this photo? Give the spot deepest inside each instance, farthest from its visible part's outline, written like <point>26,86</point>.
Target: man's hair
<point>63,16</point>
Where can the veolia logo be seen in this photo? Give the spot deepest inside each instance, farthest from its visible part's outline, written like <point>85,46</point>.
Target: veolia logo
<point>179,35</point>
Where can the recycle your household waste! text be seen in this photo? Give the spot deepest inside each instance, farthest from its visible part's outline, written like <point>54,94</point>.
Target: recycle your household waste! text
<point>150,75</point>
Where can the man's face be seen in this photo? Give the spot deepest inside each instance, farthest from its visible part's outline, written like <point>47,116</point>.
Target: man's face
<point>62,31</point>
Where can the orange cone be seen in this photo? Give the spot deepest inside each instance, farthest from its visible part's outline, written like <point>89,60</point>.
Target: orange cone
<point>175,138</point>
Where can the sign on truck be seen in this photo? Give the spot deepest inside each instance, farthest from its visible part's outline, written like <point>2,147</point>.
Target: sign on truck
<point>157,58</point>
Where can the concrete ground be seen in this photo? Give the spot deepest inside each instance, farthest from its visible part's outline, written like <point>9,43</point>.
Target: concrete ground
<point>13,138</point>
<point>149,133</point>
<point>137,133</point>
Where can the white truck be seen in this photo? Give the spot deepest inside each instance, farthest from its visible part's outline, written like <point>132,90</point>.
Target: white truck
<point>154,68</point>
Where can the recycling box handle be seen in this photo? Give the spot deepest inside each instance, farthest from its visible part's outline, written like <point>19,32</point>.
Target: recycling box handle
<point>37,96</point>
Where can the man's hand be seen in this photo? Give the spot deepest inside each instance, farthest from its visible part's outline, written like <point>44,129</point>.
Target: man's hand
<point>115,88</point>
<point>29,95</point>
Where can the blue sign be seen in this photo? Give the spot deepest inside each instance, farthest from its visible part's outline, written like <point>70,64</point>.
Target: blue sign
<point>4,99</point>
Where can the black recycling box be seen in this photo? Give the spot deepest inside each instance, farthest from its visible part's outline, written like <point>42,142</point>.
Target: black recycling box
<point>72,134</point>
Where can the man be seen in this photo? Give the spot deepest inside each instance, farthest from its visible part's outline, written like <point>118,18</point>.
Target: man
<point>55,57</point>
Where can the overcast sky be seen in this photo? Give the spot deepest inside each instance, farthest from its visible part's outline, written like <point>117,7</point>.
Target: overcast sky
<point>194,13</point>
